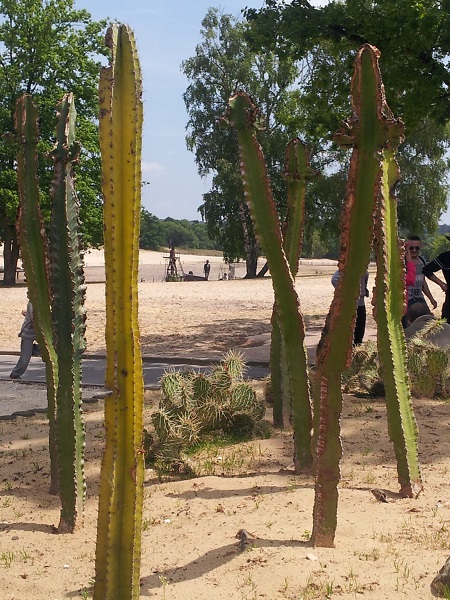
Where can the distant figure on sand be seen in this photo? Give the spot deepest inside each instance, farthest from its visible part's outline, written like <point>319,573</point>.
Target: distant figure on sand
<point>360,323</point>
<point>206,269</point>
<point>27,346</point>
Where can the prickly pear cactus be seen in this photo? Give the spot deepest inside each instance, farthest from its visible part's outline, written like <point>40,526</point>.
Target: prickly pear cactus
<point>118,548</point>
<point>244,116</point>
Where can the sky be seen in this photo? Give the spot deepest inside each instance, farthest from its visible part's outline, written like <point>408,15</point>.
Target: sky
<point>167,32</point>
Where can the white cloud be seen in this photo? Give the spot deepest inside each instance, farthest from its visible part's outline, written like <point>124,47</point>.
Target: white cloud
<point>152,167</point>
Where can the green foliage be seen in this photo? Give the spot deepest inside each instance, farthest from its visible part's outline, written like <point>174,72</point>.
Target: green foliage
<point>195,406</point>
<point>156,233</point>
<point>412,37</point>
<point>223,64</point>
<point>414,43</point>
<point>41,42</point>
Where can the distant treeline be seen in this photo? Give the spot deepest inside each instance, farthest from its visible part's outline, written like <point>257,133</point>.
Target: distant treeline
<point>160,233</point>
<point>157,233</point>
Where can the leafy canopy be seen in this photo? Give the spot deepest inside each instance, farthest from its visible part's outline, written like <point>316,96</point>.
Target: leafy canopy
<point>47,48</point>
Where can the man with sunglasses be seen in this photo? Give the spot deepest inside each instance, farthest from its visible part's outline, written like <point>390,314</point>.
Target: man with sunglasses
<point>419,289</point>
<point>441,263</point>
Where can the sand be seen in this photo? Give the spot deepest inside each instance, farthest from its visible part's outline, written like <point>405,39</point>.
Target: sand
<point>383,550</point>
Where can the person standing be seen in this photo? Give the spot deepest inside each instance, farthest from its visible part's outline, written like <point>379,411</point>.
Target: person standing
<point>206,269</point>
<point>360,322</point>
<point>27,346</point>
<point>419,289</point>
<point>441,263</point>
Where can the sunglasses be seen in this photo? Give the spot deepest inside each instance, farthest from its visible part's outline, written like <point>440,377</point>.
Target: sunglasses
<point>414,247</point>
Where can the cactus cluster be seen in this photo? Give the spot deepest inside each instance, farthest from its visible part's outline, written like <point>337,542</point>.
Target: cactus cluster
<point>195,404</point>
<point>428,369</point>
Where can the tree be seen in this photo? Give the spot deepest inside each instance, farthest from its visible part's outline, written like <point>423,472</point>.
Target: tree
<point>413,38</point>
<point>223,63</point>
<point>151,236</point>
<point>414,43</point>
<point>47,49</point>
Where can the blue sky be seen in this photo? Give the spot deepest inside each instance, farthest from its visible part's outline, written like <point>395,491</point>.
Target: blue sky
<point>167,32</point>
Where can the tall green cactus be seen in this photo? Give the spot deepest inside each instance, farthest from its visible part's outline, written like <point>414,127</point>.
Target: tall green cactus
<point>296,173</point>
<point>121,482</point>
<point>371,130</point>
<point>55,284</point>
<point>68,314</point>
<point>389,308</point>
<point>35,261</point>
<point>243,116</point>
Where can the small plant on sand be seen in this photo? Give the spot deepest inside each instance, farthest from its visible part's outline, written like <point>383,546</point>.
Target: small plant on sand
<point>196,406</point>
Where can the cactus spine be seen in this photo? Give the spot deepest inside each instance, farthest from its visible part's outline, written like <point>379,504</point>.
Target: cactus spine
<point>56,291</point>
<point>121,483</point>
<point>243,116</point>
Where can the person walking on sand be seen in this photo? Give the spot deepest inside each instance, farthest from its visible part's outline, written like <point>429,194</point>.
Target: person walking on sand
<point>27,346</point>
<point>206,269</point>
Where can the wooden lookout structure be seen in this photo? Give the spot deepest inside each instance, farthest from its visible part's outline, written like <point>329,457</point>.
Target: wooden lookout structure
<point>173,267</point>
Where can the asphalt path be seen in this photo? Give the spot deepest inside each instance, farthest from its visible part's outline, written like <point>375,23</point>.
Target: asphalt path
<point>154,367</point>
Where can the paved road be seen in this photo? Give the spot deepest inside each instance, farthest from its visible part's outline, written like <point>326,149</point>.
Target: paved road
<point>94,369</point>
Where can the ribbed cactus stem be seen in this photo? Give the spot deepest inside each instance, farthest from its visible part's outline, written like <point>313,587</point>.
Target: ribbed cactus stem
<point>68,316</point>
<point>370,129</point>
<point>121,483</point>
<point>243,115</point>
<point>296,173</point>
<point>35,261</point>
<point>389,308</point>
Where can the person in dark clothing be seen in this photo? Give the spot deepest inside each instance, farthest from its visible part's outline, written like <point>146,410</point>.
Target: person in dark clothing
<point>206,269</point>
<point>441,263</point>
<point>360,323</point>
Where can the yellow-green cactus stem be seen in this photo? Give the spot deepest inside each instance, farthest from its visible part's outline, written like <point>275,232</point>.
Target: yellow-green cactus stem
<point>121,482</point>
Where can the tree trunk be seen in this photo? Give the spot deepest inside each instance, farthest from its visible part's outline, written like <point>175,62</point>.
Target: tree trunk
<point>251,262</point>
<point>10,254</point>
<point>263,270</point>
<point>250,245</point>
